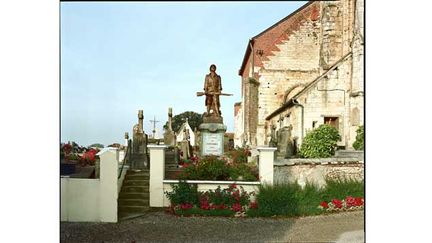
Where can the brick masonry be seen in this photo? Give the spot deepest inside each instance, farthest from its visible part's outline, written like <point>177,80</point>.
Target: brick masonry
<point>292,54</point>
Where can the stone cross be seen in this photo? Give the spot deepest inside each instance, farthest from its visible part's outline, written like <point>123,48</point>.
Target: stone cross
<point>154,125</point>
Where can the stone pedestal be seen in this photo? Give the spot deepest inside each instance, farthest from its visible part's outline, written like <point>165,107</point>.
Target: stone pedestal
<point>169,138</point>
<point>212,138</point>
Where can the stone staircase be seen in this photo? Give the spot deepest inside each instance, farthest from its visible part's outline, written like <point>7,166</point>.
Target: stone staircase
<point>170,162</point>
<point>139,161</point>
<point>133,200</point>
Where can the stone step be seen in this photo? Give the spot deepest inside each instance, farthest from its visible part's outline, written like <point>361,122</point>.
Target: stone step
<point>133,202</point>
<point>134,189</point>
<point>138,172</point>
<point>134,195</point>
<point>136,182</point>
<point>133,209</point>
<point>122,216</point>
<point>141,177</point>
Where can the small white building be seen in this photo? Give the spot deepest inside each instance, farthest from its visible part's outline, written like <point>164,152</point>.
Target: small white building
<point>181,133</point>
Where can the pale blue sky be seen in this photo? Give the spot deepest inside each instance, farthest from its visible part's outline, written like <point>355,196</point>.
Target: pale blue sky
<point>118,57</point>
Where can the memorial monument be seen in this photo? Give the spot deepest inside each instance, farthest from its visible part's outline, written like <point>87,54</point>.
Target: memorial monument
<point>169,136</point>
<point>139,144</point>
<point>212,129</point>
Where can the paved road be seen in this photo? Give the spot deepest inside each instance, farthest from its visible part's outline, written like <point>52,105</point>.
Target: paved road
<point>162,227</point>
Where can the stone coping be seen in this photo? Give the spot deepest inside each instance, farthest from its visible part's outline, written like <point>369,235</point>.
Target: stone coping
<point>157,146</point>
<point>214,182</point>
<point>266,148</point>
<point>318,161</point>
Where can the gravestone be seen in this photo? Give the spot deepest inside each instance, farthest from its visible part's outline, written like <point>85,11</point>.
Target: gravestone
<point>139,144</point>
<point>284,144</point>
<point>169,136</point>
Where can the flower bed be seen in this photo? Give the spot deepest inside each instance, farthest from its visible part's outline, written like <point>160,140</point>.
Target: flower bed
<point>349,203</point>
<point>186,200</point>
<point>215,168</point>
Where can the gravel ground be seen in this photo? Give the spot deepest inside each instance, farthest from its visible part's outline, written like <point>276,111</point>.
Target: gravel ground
<point>163,227</point>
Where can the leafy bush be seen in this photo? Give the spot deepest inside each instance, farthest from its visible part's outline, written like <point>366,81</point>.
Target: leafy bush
<point>183,193</point>
<point>359,142</point>
<point>292,200</point>
<point>185,200</point>
<point>239,155</point>
<point>342,188</point>
<point>213,168</point>
<point>320,143</point>
<point>278,200</point>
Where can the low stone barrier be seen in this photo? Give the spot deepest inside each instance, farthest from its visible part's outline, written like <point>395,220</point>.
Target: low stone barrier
<point>317,170</point>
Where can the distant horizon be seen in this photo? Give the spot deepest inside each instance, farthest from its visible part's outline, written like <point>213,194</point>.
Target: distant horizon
<point>121,57</point>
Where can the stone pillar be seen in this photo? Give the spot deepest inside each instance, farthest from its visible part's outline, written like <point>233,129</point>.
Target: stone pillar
<point>157,174</point>
<point>108,185</point>
<point>266,161</point>
<point>140,121</point>
<point>126,139</point>
<point>170,119</point>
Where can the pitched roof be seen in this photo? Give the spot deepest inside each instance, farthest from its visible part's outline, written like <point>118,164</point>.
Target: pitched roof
<point>252,40</point>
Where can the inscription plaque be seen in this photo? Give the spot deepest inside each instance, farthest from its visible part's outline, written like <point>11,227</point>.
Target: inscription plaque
<point>212,143</point>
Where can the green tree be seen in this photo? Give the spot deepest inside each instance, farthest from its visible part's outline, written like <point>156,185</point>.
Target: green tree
<point>97,145</point>
<point>320,143</point>
<point>194,120</point>
<point>359,142</point>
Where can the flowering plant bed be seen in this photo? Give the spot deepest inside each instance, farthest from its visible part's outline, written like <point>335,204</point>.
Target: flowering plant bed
<point>349,203</point>
<point>232,201</point>
<point>215,168</point>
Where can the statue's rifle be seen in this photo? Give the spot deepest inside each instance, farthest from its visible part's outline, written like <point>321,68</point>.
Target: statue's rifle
<point>216,93</point>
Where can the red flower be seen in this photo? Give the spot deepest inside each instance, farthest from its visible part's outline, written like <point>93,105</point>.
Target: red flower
<point>204,204</point>
<point>324,204</point>
<point>350,201</point>
<point>236,207</point>
<point>358,201</point>
<point>337,203</point>
<point>186,206</point>
<point>253,205</point>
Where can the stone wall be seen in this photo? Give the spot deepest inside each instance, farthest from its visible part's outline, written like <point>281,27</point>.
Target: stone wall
<point>316,171</point>
<point>294,52</point>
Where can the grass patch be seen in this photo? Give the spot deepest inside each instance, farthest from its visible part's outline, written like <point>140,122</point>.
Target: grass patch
<point>293,200</point>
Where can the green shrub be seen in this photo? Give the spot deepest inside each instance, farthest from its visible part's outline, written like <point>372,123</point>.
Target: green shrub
<point>320,143</point>
<point>239,155</point>
<point>213,168</point>
<point>292,200</point>
<point>359,142</point>
<point>244,172</point>
<point>183,193</point>
<point>342,188</point>
<point>278,200</point>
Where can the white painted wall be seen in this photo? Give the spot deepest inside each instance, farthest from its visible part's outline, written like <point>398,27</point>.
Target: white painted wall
<point>79,199</point>
<point>92,200</point>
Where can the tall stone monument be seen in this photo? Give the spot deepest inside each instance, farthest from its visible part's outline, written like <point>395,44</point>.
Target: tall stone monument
<point>212,129</point>
<point>139,144</point>
<point>169,136</point>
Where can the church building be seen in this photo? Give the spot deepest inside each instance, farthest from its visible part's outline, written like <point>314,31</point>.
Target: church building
<point>304,71</point>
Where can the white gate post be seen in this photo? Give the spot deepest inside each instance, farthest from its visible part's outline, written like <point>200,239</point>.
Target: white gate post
<point>266,161</point>
<point>108,185</point>
<point>157,174</point>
